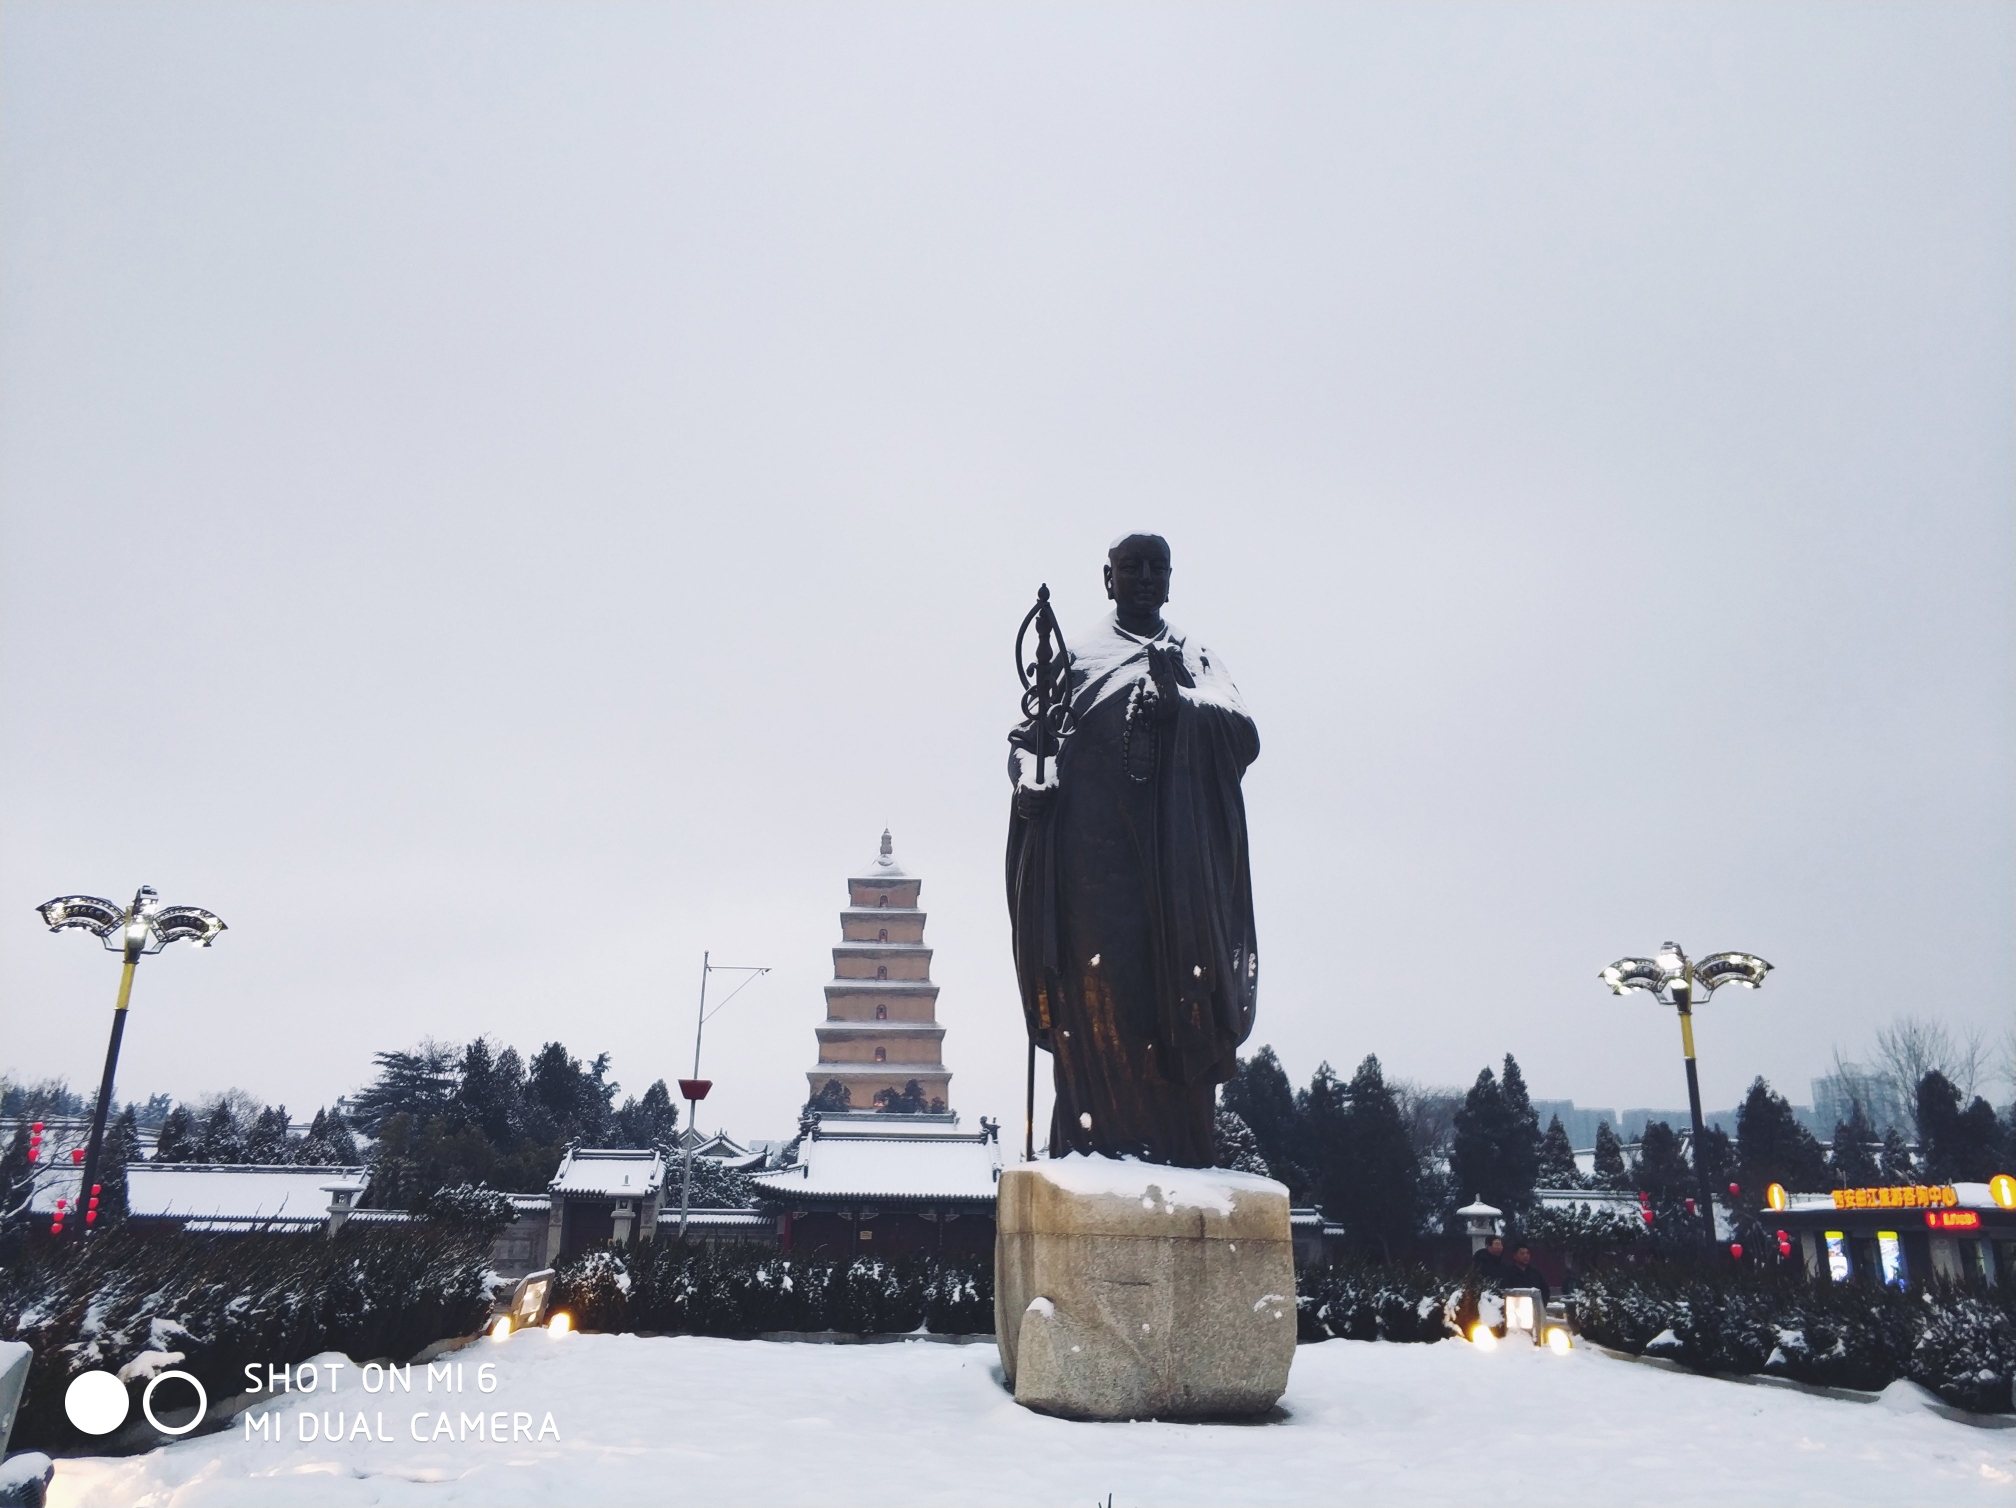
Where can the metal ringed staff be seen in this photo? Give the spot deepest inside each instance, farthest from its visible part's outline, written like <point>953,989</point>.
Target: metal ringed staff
<point>1047,706</point>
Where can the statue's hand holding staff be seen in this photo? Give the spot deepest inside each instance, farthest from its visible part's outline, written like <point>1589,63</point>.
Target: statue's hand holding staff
<point>1034,801</point>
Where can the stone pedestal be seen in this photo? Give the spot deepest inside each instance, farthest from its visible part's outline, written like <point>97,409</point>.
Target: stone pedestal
<point>1125,1290</point>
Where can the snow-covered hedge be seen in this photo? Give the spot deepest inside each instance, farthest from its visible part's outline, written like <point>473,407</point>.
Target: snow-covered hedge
<point>1354,1301</point>
<point>214,1303</point>
<point>1959,1342</point>
<point>743,1291</point>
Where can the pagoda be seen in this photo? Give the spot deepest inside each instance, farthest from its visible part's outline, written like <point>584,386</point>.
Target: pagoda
<point>881,1033</point>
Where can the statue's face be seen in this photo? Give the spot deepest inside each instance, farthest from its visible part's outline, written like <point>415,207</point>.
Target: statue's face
<point>1137,577</point>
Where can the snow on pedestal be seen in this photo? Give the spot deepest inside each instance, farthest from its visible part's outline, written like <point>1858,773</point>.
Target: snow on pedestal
<point>1127,1290</point>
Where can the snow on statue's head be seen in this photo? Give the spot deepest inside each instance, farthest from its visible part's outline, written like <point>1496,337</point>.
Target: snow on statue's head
<point>1137,580</point>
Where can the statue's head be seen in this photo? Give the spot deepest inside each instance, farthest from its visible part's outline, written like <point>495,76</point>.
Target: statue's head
<point>1137,580</point>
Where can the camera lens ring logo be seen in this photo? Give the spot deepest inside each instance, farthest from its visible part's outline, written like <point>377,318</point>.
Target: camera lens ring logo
<point>147,1402</point>
<point>96,1402</point>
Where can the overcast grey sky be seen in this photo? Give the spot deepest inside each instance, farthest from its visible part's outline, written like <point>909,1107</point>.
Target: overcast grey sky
<point>498,499</point>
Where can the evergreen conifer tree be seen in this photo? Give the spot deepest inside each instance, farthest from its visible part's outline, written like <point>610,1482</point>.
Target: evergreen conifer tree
<point>1897,1163</point>
<point>17,1196</point>
<point>1238,1148</point>
<point>1372,1182</point>
<point>267,1141</point>
<point>1958,1145</point>
<point>1662,1169</point>
<point>652,1121</point>
<point>419,1083</point>
<point>1519,1149</point>
<point>1474,1156</point>
<point>218,1138</point>
<point>1610,1172</point>
<point>1557,1158</point>
<point>1772,1147</point>
<point>1856,1148</point>
<point>122,1149</point>
<point>1261,1096</point>
<point>177,1140</point>
<point>1320,1108</point>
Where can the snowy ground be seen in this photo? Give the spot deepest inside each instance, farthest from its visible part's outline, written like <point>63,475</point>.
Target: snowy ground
<point>732,1422</point>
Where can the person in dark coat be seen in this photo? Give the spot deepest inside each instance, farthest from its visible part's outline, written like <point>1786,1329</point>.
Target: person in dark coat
<point>1489,1262</point>
<point>1523,1274</point>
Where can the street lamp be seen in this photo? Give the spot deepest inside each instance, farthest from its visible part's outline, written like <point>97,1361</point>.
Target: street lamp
<point>144,927</point>
<point>1674,978</point>
<point>695,1089</point>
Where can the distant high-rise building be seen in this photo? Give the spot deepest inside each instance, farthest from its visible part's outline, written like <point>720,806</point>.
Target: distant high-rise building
<point>1835,1096</point>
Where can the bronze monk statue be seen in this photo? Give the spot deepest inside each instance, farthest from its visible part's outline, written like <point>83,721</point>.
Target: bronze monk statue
<point>1128,885</point>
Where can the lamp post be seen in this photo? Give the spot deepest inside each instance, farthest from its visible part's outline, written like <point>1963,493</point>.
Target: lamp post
<point>134,931</point>
<point>1674,978</point>
<point>695,1089</point>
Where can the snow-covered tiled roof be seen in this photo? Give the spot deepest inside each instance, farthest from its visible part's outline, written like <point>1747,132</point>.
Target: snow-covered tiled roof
<point>236,1192</point>
<point>617,1172</point>
<point>925,1165</point>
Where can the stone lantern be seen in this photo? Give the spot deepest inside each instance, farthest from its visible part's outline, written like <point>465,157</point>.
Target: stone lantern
<point>1481,1222</point>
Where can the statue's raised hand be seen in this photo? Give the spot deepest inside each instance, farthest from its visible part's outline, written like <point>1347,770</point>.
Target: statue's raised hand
<point>1162,670</point>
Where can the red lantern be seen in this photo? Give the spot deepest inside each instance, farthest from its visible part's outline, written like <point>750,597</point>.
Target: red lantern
<point>1690,1206</point>
<point>1736,1250</point>
<point>56,1228</point>
<point>1734,1191</point>
<point>76,1154</point>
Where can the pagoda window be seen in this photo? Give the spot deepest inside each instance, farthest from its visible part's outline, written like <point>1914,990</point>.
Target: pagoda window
<point>882,971</point>
<point>883,935</point>
<point>881,1013</point>
<point>881,1054</point>
<point>883,902</point>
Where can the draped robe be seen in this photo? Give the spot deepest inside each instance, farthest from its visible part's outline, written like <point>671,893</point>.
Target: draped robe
<point>1132,902</point>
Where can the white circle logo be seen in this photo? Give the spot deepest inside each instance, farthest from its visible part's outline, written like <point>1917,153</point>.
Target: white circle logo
<point>147,1402</point>
<point>96,1402</point>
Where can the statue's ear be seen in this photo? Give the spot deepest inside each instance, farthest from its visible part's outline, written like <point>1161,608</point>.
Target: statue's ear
<point>1107,570</point>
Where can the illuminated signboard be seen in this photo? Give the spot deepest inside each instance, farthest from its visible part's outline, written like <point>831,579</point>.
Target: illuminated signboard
<point>1953,1219</point>
<point>1891,1255</point>
<point>1837,1256</point>
<point>1775,1197</point>
<point>2002,1189</point>
<point>1909,1196</point>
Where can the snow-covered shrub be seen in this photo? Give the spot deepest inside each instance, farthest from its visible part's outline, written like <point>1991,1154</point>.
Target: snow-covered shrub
<point>216,1302</point>
<point>1967,1351</point>
<point>1957,1341</point>
<point>1362,1301</point>
<point>744,1291</point>
<point>594,1288</point>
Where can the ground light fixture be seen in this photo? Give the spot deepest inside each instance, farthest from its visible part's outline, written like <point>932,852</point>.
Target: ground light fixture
<point>132,931</point>
<point>1676,980</point>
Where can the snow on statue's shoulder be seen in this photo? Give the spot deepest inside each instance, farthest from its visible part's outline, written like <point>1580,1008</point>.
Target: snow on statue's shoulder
<point>1174,1188</point>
